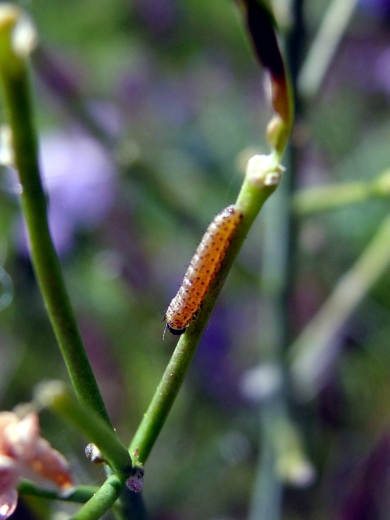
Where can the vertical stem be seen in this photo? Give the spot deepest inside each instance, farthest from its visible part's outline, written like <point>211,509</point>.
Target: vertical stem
<point>295,42</point>
<point>277,276</point>
<point>16,88</point>
<point>268,487</point>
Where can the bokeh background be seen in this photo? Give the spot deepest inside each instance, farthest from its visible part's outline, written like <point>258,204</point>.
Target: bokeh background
<point>147,111</point>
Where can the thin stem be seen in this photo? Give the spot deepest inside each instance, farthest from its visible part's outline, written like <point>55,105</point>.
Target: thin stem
<point>102,500</point>
<point>316,348</point>
<point>16,88</point>
<point>268,487</point>
<point>313,200</point>
<point>282,459</point>
<point>56,396</point>
<point>81,494</point>
<point>131,506</point>
<point>324,46</point>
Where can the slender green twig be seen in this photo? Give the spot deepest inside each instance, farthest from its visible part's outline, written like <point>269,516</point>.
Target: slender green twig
<point>313,200</point>
<point>102,501</point>
<point>81,494</point>
<point>315,349</point>
<point>282,459</point>
<point>324,46</point>
<point>15,46</point>
<point>268,488</point>
<point>130,506</point>
<point>57,397</point>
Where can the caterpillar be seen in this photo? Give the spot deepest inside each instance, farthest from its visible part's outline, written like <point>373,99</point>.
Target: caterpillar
<point>202,270</point>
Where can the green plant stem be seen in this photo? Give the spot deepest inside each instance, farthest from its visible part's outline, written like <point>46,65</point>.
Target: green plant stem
<point>130,506</point>
<point>315,349</point>
<point>324,46</point>
<point>282,459</point>
<point>102,500</point>
<point>81,494</point>
<point>58,398</point>
<point>268,488</point>
<point>258,185</point>
<point>16,88</point>
<point>313,200</point>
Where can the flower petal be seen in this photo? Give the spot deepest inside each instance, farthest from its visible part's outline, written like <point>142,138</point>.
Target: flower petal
<point>8,503</point>
<point>50,464</point>
<point>20,437</point>
<point>32,455</point>
<point>6,419</point>
<point>9,474</point>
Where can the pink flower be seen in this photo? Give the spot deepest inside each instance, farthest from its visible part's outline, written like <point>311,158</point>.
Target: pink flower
<point>23,453</point>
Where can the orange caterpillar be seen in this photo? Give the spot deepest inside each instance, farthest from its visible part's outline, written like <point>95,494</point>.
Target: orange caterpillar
<point>202,270</point>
